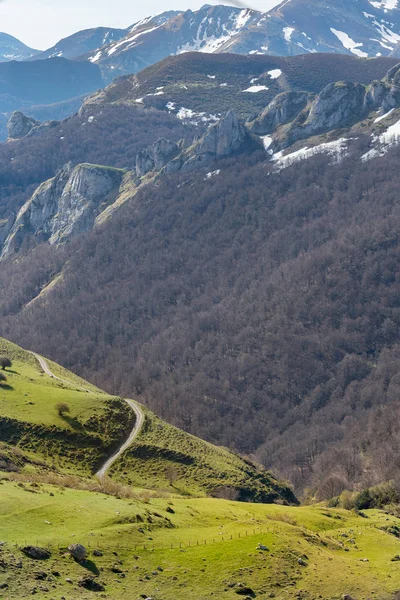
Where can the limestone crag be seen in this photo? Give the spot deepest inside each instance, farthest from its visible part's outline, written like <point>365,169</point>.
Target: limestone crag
<point>156,156</point>
<point>281,110</point>
<point>19,125</point>
<point>64,206</point>
<point>227,137</point>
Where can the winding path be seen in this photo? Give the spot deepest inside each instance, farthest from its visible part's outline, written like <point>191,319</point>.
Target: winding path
<point>102,472</point>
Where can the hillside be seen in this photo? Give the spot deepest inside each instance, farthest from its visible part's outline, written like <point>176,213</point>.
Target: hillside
<point>53,80</point>
<point>36,439</point>
<point>171,547</point>
<point>199,86</point>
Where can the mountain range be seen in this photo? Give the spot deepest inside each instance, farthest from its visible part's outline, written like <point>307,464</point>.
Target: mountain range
<point>362,28</point>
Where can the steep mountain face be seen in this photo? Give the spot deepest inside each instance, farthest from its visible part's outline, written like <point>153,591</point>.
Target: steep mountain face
<point>65,206</point>
<point>13,49</point>
<point>83,42</point>
<point>360,27</point>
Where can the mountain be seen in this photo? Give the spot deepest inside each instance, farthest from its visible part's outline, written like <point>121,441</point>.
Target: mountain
<point>45,82</point>
<point>200,87</point>
<point>238,276</point>
<point>82,42</point>
<point>359,27</point>
<point>13,49</point>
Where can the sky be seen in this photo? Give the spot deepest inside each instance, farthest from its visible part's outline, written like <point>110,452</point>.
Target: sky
<point>41,23</point>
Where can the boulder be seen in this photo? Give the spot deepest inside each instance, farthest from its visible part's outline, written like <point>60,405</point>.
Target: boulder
<point>36,553</point>
<point>78,552</point>
<point>88,582</point>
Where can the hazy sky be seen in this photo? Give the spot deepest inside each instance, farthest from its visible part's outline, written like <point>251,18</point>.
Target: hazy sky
<point>41,23</point>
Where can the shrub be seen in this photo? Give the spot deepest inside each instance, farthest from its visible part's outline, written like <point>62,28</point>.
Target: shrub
<point>3,378</point>
<point>363,500</point>
<point>62,409</point>
<point>5,362</point>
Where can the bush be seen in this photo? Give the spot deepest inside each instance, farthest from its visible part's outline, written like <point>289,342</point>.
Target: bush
<point>363,500</point>
<point>5,362</point>
<point>62,409</point>
<point>3,378</point>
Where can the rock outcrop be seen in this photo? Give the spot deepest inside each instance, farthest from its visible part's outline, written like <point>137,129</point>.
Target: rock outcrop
<point>65,206</point>
<point>281,110</point>
<point>338,105</point>
<point>19,125</point>
<point>227,137</point>
<point>156,156</point>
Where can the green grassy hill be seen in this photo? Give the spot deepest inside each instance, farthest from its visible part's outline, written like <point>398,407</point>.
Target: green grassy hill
<point>172,548</point>
<point>77,443</point>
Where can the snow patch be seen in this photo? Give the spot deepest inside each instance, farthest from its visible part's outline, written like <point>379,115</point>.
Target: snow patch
<point>275,73</point>
<point>336,149</point>
<point>391,137</point>
<point>348,43</point>
<point>287,32</point>
<point>213,174</point>
<point>187,114</point>
<point>385,4</point>
<point>384,116</point>
<point>254,89</point>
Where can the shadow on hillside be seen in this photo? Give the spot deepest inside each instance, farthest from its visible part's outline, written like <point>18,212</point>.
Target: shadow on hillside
<point>6,387</point>
<point>72,422</point>
<point>90,566</point>
<point>10,371</point>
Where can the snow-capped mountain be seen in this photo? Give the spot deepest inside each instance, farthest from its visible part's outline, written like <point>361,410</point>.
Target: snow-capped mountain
<point>364,28</point>
<point>83,42</point>
<point>13,49</point>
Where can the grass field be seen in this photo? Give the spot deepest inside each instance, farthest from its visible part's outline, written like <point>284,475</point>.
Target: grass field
<point>342,553</point>
<point>162,537</point>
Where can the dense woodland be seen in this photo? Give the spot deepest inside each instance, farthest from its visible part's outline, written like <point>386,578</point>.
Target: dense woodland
<point>260,311</point>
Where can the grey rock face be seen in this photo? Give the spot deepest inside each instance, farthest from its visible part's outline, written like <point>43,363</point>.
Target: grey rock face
<point>65,206</point>
<point>284,108</point>
<point>19,125</point>
<point>224,138</point>
<point>337,103</point>
<point>155,157</point>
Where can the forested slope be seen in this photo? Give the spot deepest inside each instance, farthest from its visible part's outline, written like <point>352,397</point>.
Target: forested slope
<point>255,309</point>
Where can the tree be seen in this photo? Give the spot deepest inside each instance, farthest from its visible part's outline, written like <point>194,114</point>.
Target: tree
<point>5,362</point>
<point>62,409</point>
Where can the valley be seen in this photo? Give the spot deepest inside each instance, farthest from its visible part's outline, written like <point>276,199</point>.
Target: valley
<point>199,304</point>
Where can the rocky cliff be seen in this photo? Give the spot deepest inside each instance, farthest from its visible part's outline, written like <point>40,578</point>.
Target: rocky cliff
<point>64,206</point>
<point>19,125</point>
<point>227,137</point>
